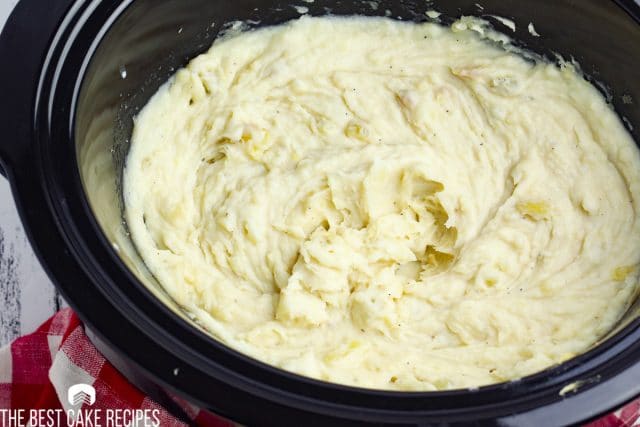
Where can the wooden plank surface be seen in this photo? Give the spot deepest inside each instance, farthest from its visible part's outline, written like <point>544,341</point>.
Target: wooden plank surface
<point>27,297</point>
<point>9,290</point>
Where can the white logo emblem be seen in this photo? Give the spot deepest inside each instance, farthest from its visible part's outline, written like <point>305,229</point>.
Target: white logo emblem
<point>81,393</point>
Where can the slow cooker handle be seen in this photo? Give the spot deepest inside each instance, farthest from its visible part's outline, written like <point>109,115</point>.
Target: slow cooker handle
<point>13,122</point>
<point>23,43</point>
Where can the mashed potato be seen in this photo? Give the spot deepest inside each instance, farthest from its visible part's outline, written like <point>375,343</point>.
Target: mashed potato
<point>387,205</point>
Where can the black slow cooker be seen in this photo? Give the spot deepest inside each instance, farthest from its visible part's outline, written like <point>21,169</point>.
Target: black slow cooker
<point>75,72</point>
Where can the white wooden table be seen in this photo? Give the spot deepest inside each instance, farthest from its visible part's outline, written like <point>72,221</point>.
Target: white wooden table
<point>27,296</point>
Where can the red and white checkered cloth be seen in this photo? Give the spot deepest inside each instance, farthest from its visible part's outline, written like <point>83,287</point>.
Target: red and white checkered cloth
<point>37,370</point>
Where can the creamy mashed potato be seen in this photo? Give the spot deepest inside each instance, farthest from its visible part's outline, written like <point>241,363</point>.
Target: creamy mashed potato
<point>387,205</point>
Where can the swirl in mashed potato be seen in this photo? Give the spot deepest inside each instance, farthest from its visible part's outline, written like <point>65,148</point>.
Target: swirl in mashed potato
<point>387,205</point>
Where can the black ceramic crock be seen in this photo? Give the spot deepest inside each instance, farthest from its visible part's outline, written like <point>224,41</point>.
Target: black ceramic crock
<point>72,77</point>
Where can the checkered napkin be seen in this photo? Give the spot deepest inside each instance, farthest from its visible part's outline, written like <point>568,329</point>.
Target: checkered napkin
<point>37,371</point>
